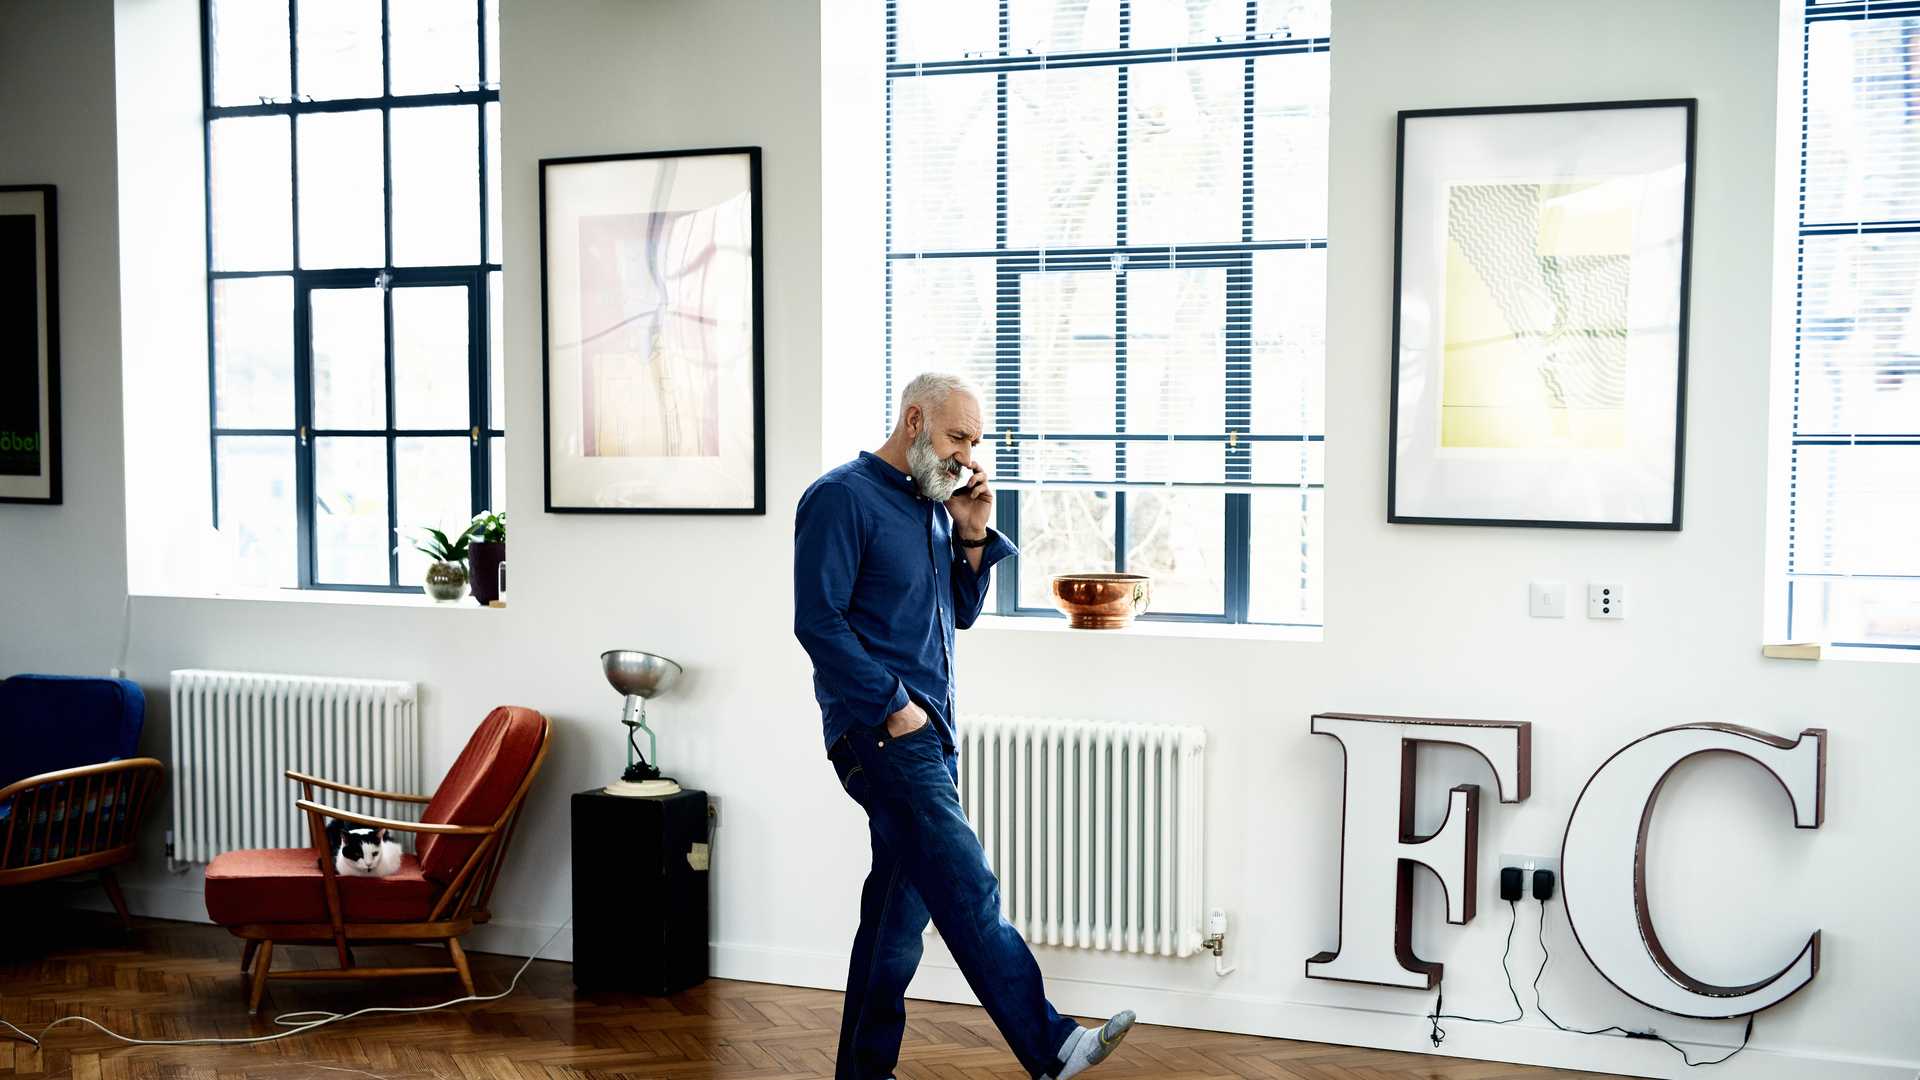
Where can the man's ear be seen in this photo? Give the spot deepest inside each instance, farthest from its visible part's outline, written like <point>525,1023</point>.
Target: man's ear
<point>912,420</point>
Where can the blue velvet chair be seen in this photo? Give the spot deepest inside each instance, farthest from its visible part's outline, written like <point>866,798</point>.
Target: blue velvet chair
<point>72,795</point>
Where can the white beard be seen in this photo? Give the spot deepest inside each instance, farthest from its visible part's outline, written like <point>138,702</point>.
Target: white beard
<point>930,474</point>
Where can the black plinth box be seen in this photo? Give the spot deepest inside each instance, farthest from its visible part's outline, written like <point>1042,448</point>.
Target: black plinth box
<point>639,905</point>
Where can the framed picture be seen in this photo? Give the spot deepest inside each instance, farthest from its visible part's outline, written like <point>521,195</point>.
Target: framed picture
<point>1541,256</point>
<point>653,352</point>
<point>29,346</point>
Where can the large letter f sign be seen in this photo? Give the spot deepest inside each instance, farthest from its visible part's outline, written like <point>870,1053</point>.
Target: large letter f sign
<point>1378,847</point>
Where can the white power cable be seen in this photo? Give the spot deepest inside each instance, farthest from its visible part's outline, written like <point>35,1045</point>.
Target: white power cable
<point>301,1027</point>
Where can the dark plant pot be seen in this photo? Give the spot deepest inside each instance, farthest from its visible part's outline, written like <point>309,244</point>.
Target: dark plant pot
<point>485,558</point>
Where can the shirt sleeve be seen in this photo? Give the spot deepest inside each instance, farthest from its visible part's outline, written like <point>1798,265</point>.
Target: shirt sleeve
<point>969,585</point>
<point>826,562</point>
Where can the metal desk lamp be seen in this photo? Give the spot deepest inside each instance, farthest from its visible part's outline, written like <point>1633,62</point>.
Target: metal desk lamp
<point>639,676</point>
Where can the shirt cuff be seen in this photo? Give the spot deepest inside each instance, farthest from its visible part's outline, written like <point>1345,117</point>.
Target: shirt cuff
<point>898,701</point>
<point>998,547</point>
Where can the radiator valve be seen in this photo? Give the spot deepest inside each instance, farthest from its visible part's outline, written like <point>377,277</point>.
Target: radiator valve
<point>1216,940</point>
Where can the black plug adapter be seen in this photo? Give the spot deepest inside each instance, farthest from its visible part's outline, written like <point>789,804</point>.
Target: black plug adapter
<point>1509,883</point>
<point>1543,885</point>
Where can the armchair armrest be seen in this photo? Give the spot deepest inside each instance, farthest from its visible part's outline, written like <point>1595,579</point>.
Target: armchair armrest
<point>351,790</point>
<point>126,765</point>
<point>389,823</point>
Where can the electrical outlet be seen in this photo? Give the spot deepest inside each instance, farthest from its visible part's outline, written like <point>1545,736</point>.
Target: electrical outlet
<point>1547,599</point>
<point>1606,600</point>
<point>1528,864</point>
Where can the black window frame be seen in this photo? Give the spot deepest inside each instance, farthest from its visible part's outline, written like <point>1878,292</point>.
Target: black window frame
<point>1120,257</point>
<point>479,431</point>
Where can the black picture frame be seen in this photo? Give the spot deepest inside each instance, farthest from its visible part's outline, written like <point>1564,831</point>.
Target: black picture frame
<point>1605,138</point>
<point>622,488</point>
<point>30,451</point>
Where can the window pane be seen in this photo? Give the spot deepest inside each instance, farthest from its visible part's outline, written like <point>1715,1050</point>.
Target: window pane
<point>1859,335</point>
<point>1856,510</point>
<point>253,352</point>
<point>1051,26</point>
<point>434,489</point>
<point>1862,161</point>
<point>250,186</point>
<point>1066,349</point>
<point>257,512</point>
<point>1158,23</point>
<point>1180,539</point>
<point>1062,532</point>
<point>1061,146</point>
<point>943,30</point>
<point>436,46</point>
<point>1290,147</point>
<point>1864,611</point>
<point>494,226</point>
<point>497,469</point>
<point>1294,18</point>
<point>1177,352</point>
<point>436,186</point>
<point>250,56</point>
<point>942,320</point>
<point>1289,342</point>
<point>493,42</point>
<point>342,190</point>
<point>350,510</point>
<point>349,358</point>
<point>1184,133</point>
<point>497,355</point>
<point>943,186</point>
<point>1286,563</point>
<point>430,358</point>
<point>340,49</point>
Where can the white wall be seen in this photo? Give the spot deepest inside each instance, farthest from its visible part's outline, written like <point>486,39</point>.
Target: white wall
<point>1421,620</point>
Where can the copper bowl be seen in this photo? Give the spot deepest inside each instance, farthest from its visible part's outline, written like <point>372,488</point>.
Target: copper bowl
<point>1101,601</point>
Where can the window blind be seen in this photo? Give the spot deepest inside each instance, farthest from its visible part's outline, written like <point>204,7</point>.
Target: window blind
<point>1853,569</point>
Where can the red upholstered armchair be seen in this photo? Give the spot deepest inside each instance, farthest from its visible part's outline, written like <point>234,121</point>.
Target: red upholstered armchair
<point>293,894</point>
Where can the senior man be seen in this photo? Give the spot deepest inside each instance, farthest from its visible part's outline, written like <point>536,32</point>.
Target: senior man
<point>892,552</point>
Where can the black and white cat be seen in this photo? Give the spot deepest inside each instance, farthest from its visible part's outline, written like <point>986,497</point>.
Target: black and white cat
<point>362,852</point>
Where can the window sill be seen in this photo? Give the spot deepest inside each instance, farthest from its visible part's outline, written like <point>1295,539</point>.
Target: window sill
<point>1144,628</point>
<point>326,596</point>
<point>1860,654</point>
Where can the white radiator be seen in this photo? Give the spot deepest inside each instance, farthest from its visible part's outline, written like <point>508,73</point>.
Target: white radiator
<point>235,733</point>
<point>1093,828</point>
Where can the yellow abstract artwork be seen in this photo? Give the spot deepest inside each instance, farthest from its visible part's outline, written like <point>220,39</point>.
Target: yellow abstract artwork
<point>1535,317</point>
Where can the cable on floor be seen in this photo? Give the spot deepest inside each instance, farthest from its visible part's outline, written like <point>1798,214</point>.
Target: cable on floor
<point>1612,1028</point>
<point>1439,1034</point>
<point>297,1026</point>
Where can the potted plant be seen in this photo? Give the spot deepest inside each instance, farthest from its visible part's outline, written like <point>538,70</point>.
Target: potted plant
<point>447,578</point>
<point>487,549</point>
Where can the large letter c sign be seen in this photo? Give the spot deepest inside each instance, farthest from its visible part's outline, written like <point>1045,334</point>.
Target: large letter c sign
<point>1604,870</point>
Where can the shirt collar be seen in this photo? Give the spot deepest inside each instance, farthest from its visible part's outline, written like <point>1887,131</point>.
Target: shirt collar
<point>879,467</point>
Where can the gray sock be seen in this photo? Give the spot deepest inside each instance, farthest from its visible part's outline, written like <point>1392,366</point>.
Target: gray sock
<point>1090,1046</point>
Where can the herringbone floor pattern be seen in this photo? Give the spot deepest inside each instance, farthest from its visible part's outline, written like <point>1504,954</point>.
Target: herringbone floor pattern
<point>178,980</point>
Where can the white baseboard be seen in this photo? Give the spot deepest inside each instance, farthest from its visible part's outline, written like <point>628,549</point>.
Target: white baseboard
<point>939,980</point>
<point>1275,1018</point>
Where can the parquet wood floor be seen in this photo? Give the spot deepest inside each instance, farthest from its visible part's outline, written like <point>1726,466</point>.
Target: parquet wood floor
<point>179,980</point>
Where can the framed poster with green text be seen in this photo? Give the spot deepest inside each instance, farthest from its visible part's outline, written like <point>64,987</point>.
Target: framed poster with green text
<point>1541,259</point>
<point>29,347</point>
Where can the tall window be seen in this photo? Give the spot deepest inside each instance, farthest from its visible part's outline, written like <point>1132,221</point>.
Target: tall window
<point>1112,215</point>
<point>1853,563</point>
<point>353,252</point>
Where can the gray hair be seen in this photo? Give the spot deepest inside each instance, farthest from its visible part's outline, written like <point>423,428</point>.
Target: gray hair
<point>931,389</point>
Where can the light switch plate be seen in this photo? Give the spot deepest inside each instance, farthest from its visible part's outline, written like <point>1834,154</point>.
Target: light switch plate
<point>1606,600</point>
<point>1547,599</point>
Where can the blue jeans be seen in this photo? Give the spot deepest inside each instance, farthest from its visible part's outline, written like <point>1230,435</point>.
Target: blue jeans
<point>928,862</point>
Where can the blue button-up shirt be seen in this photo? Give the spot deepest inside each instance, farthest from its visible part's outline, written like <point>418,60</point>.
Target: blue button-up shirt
<point>878,590</point>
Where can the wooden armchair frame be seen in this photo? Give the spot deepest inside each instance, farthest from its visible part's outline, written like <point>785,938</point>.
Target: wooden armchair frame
<point>86,818</point>
<point>461,905</point>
